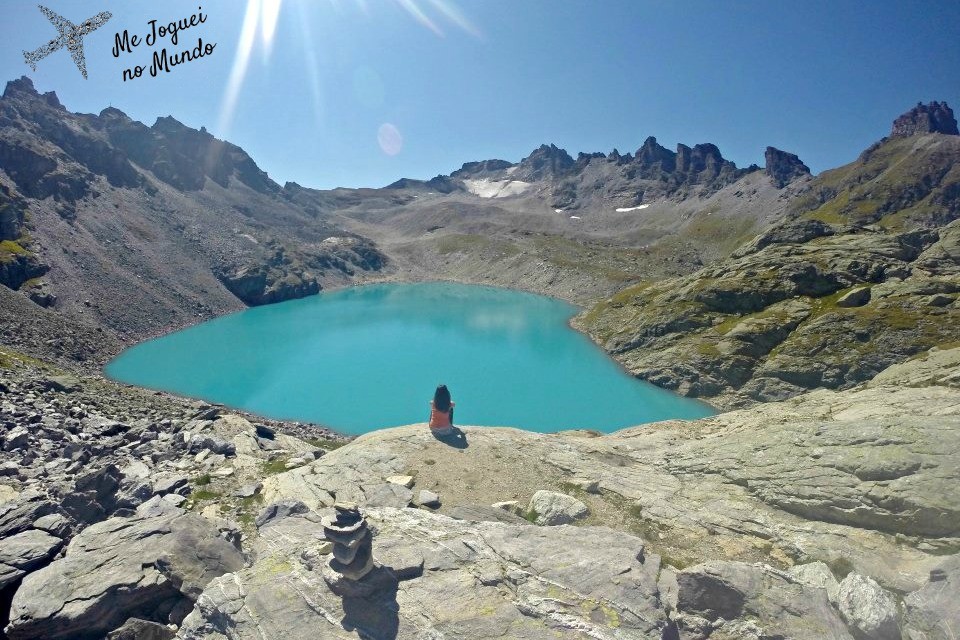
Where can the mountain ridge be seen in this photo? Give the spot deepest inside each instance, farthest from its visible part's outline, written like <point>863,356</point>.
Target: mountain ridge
<point>579,228</point>
<point>828,511</point>
<point>149,228</point>
<point>862,273</point>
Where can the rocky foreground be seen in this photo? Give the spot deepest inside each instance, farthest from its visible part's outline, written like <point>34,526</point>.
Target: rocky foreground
<point>832,515</point>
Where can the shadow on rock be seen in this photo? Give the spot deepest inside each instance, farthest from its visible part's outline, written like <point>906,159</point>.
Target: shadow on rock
<point>376,616</point>
<point>455,438</point>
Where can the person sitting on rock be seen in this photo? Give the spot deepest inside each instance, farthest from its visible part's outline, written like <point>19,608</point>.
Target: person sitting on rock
<point>441,412</point>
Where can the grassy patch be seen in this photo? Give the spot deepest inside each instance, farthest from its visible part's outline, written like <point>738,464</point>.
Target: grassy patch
<point>723,233</point>
<point>202,481</point>
<point>675,561</point>
<point>11,359</point>
<point>204,494</point>
<point>599,313</point>
<point>460,242</point>
<point>572,490</point>
<point>470,243</point>
<point>10,246</point>
<point>705,348</point>
<point>272,467</point>
<point>530,515</point>
<point>327,443</point>
<point>595,259</point>
<point>648,530</point>
<point>252,502</point>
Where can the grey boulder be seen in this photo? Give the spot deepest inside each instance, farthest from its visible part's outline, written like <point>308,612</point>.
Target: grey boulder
<point>817,574</point>
<point>137,629</point>
<point>147,566</point>
<point>868,608</point>
<point>428,499</point>
<point>214,443</point>
<point>552,508</point>
<point>280,510</point>
<point>855,298</point>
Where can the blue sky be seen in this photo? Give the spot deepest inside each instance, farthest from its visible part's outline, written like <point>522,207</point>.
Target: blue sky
<point>362,92</point>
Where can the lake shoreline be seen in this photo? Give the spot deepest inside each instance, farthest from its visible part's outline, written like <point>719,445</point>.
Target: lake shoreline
<point>654,412</point>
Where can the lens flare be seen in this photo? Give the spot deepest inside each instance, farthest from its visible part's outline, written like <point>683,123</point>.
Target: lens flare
<point>262,16</point>
<point>269,16</point>
<point>417,13</point>
<point>312,63</point>
<point>454,15</point>
<point>446,8</point>
<point>389,138</point>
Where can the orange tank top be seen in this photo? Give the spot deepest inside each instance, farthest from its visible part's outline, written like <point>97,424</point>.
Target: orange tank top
<point>440,419</point>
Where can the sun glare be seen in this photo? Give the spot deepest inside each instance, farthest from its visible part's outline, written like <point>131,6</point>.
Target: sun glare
<point>269,15</point>
<point>417,13</point>
<point>262,18</point>
<point>256,13</point>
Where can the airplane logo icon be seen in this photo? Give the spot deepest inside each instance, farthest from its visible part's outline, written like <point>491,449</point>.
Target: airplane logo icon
<point>71,37</point>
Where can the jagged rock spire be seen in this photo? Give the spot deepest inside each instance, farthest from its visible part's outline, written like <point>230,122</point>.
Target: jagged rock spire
<point>935,117</point>
<point>784,167</point>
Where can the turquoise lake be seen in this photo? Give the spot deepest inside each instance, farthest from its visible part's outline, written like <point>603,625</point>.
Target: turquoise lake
<point>365,358</point>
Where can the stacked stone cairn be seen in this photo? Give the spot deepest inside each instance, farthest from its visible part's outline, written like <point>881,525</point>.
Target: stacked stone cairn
<point>347,572</point>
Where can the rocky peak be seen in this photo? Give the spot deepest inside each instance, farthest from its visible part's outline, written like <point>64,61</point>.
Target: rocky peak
<point>652,153</point>
<point>24,89</point>
<point>114,114</point>
<point>470,169</point>
<point>702,157</point>
<point>583,159</point>
<point>586,157</point>
<point>935,117</point>
<point>50,97</point>
<point>546,161</point>
<point>171,126</point>
<point>783,167</point>
<point>181,156</point>
<point>22,86</point>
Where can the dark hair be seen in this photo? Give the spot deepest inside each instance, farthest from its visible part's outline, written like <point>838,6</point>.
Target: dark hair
<point>441,398</point>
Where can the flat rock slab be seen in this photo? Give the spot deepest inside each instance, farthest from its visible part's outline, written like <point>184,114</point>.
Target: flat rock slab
<point>122,567</point>
<point>22,552</point>
<point>932,612</point>
<point>476,581</point>
<point>483,513</point>
<point>757,601</point>
<point>855,298</point>
<point>137,629</point>
<point>428,499</point>
<point>279,510</point>
<point>403,481</point>
<point>388,495</point>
